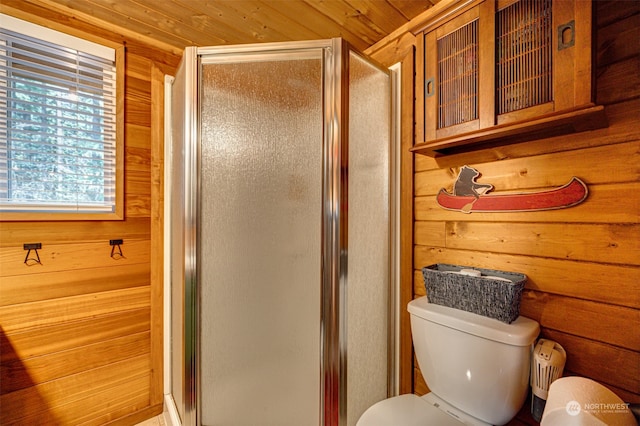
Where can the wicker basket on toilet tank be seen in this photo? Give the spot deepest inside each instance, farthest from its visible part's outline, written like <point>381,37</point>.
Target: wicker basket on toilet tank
<point>494,294</point>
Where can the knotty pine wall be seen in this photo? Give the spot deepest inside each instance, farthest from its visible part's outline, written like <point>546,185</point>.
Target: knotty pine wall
<point>583,263</point>
<point>81,334</point>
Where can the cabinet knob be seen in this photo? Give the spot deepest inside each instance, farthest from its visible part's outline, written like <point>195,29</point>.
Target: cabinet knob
<point>429,87</point>
<point>566,35</point>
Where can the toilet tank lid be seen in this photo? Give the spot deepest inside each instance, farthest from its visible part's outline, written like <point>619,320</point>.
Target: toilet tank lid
<point>521,332</point>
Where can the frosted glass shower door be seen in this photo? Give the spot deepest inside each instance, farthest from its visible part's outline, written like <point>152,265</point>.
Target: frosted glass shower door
<point>368,270</point>
<point>261,123</point>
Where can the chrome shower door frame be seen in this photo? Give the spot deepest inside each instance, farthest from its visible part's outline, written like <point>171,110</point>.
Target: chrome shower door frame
<point>333,327</point>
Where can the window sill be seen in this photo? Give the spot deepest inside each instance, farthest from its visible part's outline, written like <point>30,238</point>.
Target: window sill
<point>57,217</point>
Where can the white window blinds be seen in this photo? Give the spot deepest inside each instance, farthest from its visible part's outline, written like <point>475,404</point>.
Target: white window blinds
<point>57,125</point>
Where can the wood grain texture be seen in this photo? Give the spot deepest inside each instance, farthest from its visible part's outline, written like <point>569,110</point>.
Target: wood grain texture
<point>610,243</point>
<point>506,104</point>
<point>67,399</point>
<point>394,52</point>
<point>81,333</point>
<point>35,342</point>
<point>172,25</point>
<point>597,165</point>
<point>611,365</point>
<point>586,280</point>
<point>615,325</point>
<point>605,204</point>
<point>53,311</point>
<point>619,80</point>
<point>15,234</point>
<point>623,127</point>
<point>613,41</point>
<point>25,372</point>
<point>593,284</point>
<point>581,262</point>
<point>72,256</point>
<point>32,287</point>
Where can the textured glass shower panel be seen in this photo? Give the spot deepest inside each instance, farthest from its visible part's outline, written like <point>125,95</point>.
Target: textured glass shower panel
<point>368,235</point>
<point>177,236</point>
<point>260,240</point>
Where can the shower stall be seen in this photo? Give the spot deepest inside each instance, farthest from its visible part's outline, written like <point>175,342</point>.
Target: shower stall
<point>282,236</point>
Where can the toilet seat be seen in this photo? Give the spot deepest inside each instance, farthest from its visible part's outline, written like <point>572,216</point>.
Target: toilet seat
<point>406,410</point>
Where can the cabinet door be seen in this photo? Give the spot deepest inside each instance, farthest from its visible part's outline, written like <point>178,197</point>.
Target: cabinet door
<point>543,58</point>
<point>524,58</point>
<point>572,61</point>
<point>505,68</point>
<point>459,79</point>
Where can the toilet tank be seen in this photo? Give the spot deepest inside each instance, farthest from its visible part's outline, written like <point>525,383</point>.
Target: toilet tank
<point>477,364</point>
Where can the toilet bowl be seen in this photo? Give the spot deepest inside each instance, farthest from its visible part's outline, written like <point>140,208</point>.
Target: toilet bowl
<point>477,369</point>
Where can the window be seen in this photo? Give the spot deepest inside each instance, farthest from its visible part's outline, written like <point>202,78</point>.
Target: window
<point>58,123</point>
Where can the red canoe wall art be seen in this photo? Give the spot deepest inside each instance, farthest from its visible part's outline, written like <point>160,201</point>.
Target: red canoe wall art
<point>469,196</point>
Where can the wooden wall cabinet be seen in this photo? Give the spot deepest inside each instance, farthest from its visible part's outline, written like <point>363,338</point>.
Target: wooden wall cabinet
<point>504,71</point>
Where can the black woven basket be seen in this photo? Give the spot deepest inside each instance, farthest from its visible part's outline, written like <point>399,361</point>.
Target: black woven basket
<point>491,297</point>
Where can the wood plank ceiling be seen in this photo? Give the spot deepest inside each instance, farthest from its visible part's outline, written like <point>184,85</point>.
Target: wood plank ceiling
<point>176,24</point>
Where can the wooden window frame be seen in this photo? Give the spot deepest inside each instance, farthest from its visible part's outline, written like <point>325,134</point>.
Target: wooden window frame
<point>118,212</point>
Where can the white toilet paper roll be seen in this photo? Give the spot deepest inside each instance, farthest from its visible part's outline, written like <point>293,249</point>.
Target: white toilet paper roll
<point>578,401</point>
<point>491,277</point>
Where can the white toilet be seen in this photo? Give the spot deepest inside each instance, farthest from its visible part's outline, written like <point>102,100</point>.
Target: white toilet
<point>477,369</point>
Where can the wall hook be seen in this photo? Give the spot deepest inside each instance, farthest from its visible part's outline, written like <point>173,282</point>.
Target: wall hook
<point>116,254</point>
<point>35,247</point>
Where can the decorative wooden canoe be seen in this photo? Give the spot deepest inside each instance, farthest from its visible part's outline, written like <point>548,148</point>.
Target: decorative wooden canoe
<point>565,196</point>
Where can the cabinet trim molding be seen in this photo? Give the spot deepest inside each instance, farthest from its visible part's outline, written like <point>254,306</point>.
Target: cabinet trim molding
<point>588,117</point>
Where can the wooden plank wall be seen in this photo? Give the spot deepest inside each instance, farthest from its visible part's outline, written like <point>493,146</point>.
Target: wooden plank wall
<point>77,331</point>
<point>583,263</point>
